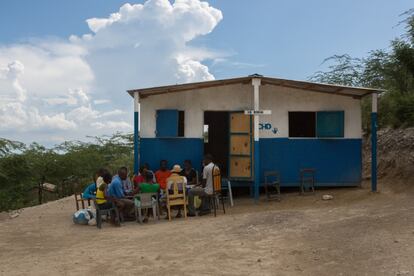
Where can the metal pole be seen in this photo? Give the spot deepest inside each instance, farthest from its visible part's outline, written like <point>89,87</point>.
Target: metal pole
<point>374,142</point>
<point>136,133</point>
<point>256,84</point>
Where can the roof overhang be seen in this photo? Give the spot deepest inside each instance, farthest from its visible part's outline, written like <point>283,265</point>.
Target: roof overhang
<point>349,91</point>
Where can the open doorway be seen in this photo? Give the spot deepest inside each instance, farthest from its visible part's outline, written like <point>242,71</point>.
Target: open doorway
<point>216,138</point>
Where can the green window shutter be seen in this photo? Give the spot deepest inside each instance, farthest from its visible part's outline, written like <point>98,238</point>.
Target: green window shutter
<point>330,124</point>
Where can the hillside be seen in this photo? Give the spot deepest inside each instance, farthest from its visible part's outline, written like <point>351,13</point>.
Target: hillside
<point>395,157</point>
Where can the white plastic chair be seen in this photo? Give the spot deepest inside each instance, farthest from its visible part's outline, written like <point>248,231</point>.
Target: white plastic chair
<point>145,201</point>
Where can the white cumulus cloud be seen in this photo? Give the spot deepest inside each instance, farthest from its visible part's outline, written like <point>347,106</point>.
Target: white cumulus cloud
<point>9,79</point>
<point>76,87</point>
<point>18,117</point>
<point>113,125</point>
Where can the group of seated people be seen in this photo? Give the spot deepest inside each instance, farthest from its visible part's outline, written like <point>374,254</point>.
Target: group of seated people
<point>120,190</point>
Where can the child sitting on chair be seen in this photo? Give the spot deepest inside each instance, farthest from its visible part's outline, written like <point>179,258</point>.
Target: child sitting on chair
<point>146,187</point>
<point>102,199</point>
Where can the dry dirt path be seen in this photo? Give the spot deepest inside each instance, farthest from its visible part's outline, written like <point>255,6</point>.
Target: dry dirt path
<point>357,233</point>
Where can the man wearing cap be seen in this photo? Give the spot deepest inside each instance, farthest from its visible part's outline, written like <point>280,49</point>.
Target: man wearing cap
<point>177,178</point>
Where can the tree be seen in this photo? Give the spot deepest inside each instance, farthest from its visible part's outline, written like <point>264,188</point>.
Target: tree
<point>23,167</point>
<point>343,70</point>
<point>391,70</point>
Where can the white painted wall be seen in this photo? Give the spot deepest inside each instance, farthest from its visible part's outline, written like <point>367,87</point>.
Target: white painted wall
<point>237,97</point>
<point>281,100</point>
<point>194,103</point>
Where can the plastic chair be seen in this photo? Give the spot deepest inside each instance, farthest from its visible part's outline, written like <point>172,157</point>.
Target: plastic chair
<point>144,201</point>
<point>176,195</point>
<point>107,212</point>
<point>272,185</point>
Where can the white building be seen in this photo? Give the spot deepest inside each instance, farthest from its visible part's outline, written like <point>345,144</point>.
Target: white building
<point>311,125</point>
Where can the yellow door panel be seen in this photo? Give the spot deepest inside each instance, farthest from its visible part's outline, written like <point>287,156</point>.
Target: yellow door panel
<point>240,144</point>
<point>240,167</point>
<point>239,123</point>
<point>241,148</point>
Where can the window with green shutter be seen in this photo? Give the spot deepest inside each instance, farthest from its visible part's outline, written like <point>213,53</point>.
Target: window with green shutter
<point>330,124</point>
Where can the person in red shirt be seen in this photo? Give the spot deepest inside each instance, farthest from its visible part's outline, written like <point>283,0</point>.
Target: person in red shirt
<point>162,174</point>
<point>138,179</point>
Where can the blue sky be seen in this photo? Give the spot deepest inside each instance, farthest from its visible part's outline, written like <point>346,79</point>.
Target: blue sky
<point>277,38</point>
<point>74,82</point>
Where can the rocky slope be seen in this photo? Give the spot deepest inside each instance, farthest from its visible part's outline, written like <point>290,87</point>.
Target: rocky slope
<point>395,155</point>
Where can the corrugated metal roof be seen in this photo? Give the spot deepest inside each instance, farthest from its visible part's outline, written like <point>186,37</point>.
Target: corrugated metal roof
<point>356,92</point>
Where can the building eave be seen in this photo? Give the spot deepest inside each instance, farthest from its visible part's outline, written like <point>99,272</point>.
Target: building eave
<point>355,92</point>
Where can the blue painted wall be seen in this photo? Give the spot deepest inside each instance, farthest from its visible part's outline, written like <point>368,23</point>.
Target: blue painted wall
<point>338,162</point>
<point>175,150</point>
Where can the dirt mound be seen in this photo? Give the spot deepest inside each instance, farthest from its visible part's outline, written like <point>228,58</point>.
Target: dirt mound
<point>395,156</point>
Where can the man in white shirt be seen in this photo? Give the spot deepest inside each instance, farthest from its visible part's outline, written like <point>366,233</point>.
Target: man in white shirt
<point>203,191</point>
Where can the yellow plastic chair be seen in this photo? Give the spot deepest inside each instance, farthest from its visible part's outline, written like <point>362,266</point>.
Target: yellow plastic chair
<point>176,195</point>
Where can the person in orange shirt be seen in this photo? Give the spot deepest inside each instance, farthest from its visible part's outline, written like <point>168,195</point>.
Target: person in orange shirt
<point>162,174</point>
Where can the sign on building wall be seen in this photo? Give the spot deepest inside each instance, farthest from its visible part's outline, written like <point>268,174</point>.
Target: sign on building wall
<point>257,112</point>
<point>268,127</point>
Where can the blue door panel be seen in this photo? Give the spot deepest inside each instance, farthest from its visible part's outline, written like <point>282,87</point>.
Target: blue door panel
<point>167,123</point>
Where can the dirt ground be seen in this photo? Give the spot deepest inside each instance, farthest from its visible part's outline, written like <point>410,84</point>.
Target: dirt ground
<point>356,233</point>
